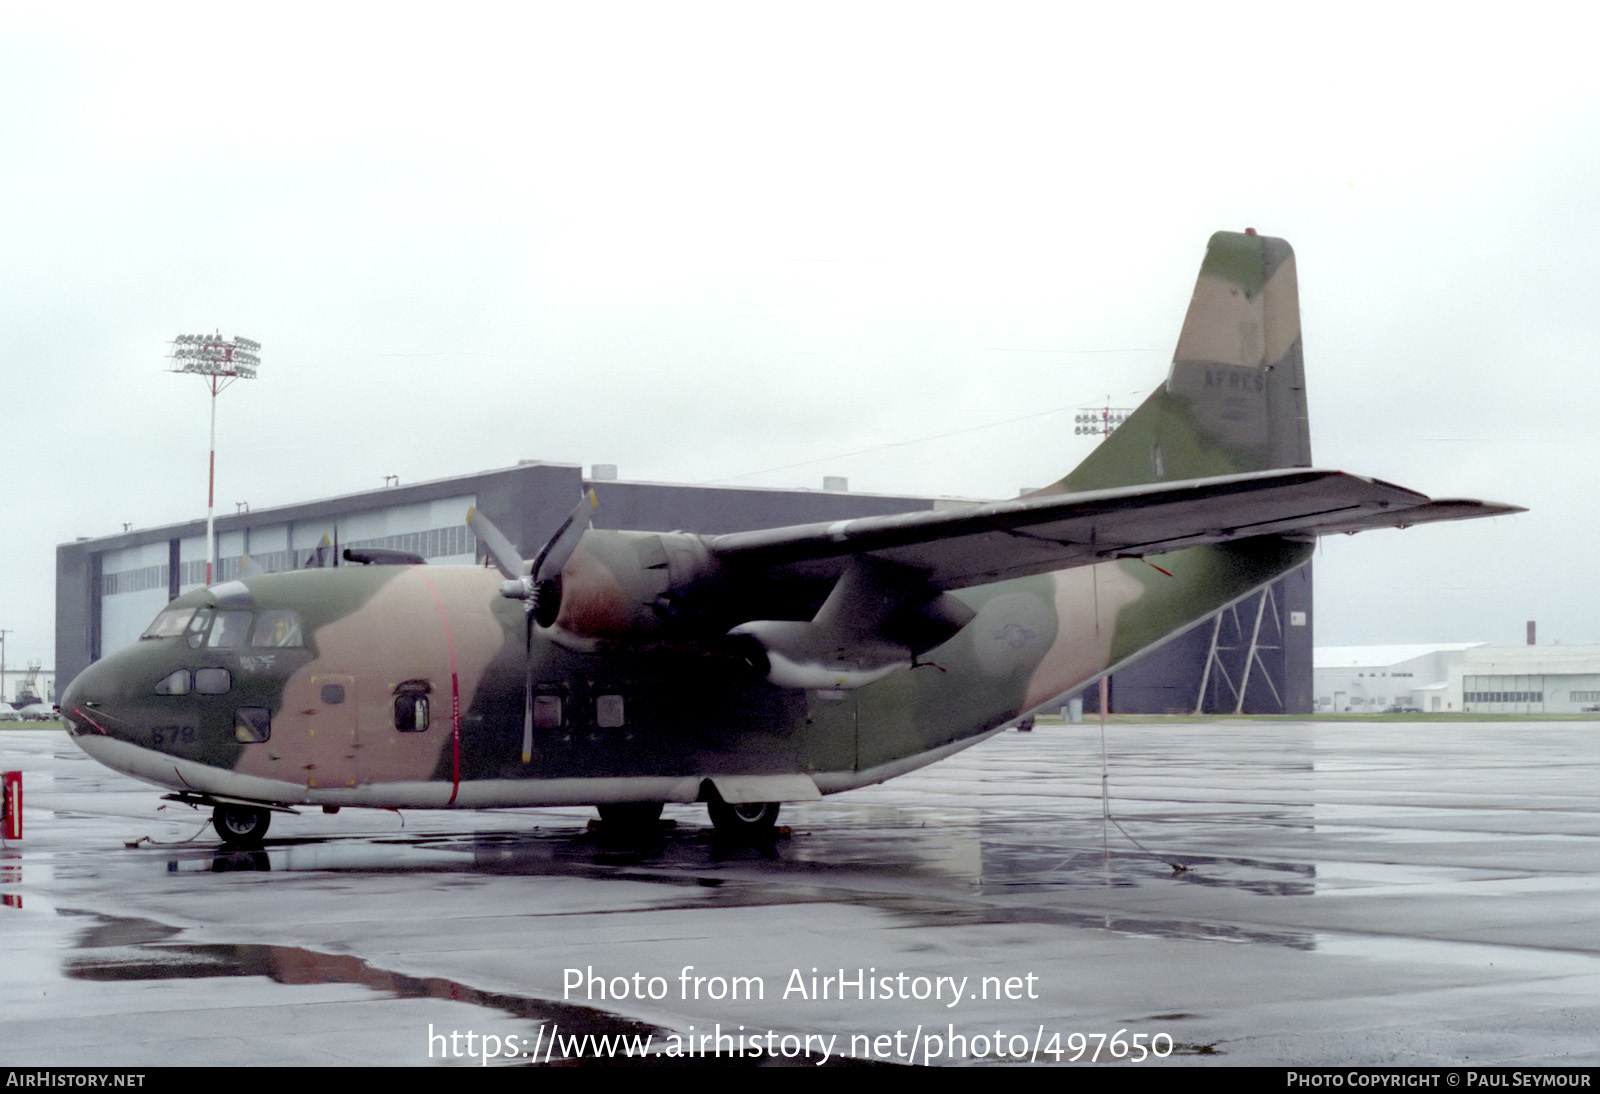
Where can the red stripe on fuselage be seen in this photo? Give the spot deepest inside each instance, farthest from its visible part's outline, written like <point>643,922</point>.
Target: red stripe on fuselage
<point>455,694</point>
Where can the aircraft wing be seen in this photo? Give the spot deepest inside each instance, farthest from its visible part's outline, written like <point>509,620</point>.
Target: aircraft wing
<point>1034,535</point>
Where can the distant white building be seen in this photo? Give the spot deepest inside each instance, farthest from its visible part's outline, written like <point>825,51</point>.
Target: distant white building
<point>1371,679</point>
<point>1526,679</point>
<point>24,686</point>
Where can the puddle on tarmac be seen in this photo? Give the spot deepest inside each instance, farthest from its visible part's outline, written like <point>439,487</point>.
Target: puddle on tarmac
<point>124,948</point>
<point>129,949</point>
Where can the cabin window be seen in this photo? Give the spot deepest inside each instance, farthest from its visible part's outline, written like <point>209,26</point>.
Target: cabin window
<point>252,725</point>
<point>174,683</point>
<point>212,681</point>
<point>411,706</point>
<point>547,711</point>
<point>608,711</point>
<point>332,693</point>
<point>277,628</point>
<point>169,624</point>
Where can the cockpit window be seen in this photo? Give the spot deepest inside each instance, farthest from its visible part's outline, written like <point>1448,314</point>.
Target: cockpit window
<point>195,632</point>
<point>174,683</point>
<point>212,681</point>
<point>169,624</point>
<point>277,627</point>
<point>229,631</point>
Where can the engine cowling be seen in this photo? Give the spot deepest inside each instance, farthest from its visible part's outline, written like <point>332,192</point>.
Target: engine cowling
<point>876,620</point>
<point>623,588</point>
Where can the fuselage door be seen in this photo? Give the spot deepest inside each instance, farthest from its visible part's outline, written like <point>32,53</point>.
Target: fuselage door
<point>831,727</point>
<point>332,732</point>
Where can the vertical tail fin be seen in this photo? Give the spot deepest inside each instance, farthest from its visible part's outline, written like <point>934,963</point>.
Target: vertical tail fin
<point>1235,399</point>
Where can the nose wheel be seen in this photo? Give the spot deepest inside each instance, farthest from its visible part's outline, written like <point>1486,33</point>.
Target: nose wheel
<point>241,825</point>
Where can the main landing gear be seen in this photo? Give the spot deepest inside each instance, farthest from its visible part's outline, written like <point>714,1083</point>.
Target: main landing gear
<point>746,820</point>
<point>241,825</point>
<point>634,815</point>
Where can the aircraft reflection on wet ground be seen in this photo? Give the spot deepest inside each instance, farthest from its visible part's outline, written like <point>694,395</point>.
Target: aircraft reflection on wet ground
<point>981,861</point>
<point>1347,894</point>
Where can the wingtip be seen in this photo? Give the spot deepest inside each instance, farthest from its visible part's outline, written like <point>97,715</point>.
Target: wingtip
<point>1502,509</point>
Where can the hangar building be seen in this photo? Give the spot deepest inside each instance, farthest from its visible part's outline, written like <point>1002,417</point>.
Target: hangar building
<point>1527,680</point>
<point>1370,679</point>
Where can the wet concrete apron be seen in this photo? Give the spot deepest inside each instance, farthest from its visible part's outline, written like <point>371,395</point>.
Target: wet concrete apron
<point>1329,893</point>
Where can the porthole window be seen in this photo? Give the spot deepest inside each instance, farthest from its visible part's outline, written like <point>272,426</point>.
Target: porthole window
<point>608,711</point>
<point>547,711</point>
<point>411,706</point>
<point>252,725</point>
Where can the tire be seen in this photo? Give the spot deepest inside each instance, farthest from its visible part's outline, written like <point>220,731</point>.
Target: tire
<point>745,820</point>
<point>630,814</point>
<point>241,825</point>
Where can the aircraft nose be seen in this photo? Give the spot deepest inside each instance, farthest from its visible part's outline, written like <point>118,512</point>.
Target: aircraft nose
<point>71,700</point>
<point>80,700</point>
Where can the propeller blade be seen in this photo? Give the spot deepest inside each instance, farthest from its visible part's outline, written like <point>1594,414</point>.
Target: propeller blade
<point>525,581</point>
<point>556,552</point>
<point>499,547</point>
<point>527,691</point>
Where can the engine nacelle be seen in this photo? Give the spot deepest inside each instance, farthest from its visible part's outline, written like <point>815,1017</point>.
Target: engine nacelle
<point>876,620</point>
<point>804,655</point>
<point>623,587</point>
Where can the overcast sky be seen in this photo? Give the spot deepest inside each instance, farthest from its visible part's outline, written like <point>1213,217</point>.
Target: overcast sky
<point>760,243</point>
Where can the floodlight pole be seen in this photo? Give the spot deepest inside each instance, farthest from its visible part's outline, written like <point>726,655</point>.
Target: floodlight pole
<point>211,484</point>
<point>219,361</point>
<point>1101,421</point>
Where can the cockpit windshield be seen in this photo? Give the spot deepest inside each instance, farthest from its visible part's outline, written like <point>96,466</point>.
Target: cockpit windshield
<point>169,624</point>
<point>272,628</point>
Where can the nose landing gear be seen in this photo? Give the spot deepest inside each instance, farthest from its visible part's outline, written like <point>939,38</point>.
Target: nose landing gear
<point>241,825</point>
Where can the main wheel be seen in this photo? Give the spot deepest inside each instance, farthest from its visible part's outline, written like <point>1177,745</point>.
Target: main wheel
<point>241,825</point>
<point>629,814</point>
<point>745,819</point>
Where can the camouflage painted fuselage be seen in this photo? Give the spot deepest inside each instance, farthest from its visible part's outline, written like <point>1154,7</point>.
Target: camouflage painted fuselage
<point>618,725</point>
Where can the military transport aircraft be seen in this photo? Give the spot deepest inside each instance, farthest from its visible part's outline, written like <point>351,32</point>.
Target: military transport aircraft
<point>629,669</point>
